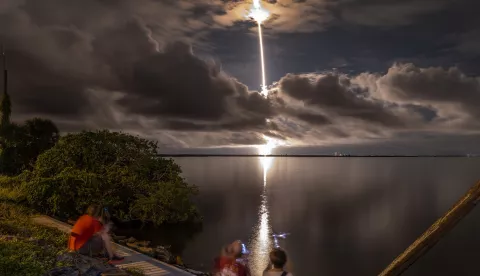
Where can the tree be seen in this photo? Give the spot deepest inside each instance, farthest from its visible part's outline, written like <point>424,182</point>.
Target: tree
<point>40,135</point>
<point>5,110</point>
<point>115,169</point>
<point>21,144</point>
<point>13,149</point>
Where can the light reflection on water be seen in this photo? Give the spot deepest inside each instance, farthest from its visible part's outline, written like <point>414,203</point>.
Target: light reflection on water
<point>351,217</point>
<point>261,244</point>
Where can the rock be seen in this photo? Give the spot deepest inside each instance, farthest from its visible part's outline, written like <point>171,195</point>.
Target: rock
<point>142,249</point>
<point>164,255</point>
<point>63,271</point>
<point>85,264</point>
<point>143,243</point>
<point>131,240</point>
<point>118,238</point>
<point>114,272</point>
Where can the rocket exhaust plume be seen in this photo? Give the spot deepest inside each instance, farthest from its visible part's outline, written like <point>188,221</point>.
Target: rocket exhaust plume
<point>259,15</point>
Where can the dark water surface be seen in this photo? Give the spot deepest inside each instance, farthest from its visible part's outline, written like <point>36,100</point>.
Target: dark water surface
<point>345,216</point>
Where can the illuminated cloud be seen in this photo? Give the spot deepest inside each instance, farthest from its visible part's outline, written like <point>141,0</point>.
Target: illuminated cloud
<point>129,65</point>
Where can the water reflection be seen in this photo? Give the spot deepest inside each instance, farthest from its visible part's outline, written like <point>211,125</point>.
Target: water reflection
<point>351,217</point>
<point>266,163</point>
<point>261,244</point>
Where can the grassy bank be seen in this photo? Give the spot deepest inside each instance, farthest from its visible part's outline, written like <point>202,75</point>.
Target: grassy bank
<point>26,248</point>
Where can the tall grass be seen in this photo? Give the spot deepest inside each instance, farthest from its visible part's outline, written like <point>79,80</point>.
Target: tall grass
<point>27,248</point>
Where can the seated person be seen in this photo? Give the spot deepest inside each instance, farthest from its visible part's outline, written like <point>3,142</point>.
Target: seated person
<point>89,235</point>
<point>230,262</point>
<point>278,259</point>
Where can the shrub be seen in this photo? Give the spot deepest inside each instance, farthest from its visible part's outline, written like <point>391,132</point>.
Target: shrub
<point>20,145</point>
<point>12,188</point>
<point>118,170</point>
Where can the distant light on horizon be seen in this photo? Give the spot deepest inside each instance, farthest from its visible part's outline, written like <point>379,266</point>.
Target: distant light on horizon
<point>267,148</point>
<point>264,151</point>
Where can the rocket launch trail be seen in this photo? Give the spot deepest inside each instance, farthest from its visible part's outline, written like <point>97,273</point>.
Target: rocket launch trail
<point>260,15</point>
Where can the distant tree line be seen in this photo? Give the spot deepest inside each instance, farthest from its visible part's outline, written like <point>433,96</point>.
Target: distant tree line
<point>62,176</point>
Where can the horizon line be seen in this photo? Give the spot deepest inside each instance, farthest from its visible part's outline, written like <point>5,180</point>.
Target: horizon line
<point>313,155</point>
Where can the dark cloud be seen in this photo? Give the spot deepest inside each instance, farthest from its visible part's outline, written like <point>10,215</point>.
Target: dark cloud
<point>444,89</point>
<point>38,89</point>
<point>65,62</point>
<point>387,13</point>
<point>177,84</point>
<point>336,94</point>
<point>129,65</point>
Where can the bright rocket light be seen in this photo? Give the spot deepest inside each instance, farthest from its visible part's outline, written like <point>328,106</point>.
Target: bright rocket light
<point>259,15</point>
<point>265,150</point>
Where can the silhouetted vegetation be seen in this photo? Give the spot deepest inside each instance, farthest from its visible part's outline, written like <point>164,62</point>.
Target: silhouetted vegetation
<point>22,144</point>
<point>115,169</point>
<point>63,176</point>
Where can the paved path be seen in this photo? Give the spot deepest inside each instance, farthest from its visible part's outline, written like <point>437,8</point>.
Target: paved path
<point>133,259</point>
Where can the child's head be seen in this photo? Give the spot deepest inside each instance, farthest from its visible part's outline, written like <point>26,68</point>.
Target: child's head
<point>278,258</point>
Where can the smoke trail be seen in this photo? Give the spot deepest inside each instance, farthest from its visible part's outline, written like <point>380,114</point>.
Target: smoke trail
<point>260,15</point>
<point>262,61</point>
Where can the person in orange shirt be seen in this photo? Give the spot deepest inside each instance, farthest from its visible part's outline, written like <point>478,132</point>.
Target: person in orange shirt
<point>89,235</point>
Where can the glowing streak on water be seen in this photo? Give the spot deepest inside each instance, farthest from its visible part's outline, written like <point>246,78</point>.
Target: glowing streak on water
<point>261,243</point>
<point>265,160</point>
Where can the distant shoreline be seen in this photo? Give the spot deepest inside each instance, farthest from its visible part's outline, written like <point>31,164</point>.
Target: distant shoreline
<point>306,155</point>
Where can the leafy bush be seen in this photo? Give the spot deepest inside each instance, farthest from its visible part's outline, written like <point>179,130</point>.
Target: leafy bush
<point>20,145</point>
<point>12,188</point>
<point>118,170</point>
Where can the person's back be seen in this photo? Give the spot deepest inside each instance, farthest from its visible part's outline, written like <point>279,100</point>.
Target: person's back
<point>83,230</point>
<point>278,259</point>
<point>277,273</point>
<point>89,235</point>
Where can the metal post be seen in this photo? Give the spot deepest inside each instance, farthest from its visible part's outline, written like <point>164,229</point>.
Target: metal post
<point>433,234</point>
<point>5,71</point>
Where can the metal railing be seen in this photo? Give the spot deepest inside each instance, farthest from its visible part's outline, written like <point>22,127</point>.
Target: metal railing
<point>433,234</point>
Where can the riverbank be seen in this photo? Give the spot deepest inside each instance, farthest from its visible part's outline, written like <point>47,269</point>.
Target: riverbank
<point>28,248</point>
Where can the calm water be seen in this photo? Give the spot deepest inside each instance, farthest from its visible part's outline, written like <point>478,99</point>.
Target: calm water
<point>345,216</point>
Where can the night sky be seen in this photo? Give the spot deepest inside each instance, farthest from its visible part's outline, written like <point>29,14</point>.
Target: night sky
<point>362,76</point>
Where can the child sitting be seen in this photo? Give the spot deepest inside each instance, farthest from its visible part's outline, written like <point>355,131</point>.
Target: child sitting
<point>278,259</point>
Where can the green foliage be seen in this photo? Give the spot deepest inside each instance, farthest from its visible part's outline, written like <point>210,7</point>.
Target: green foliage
<point>133,271</point>
<point>40,135</point>
<point>12,189</point>
<point>118,170</point>
<point>21,144</point>
<point>5,110</point>
<point>27,248</point>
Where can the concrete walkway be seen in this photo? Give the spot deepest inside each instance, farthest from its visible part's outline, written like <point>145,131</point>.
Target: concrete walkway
<point>133,259</point>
